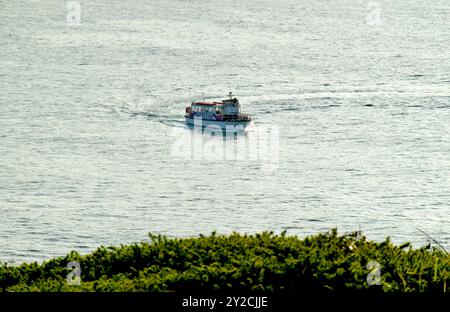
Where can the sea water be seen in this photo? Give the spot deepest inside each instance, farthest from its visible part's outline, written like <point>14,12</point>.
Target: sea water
<point>353,95</point>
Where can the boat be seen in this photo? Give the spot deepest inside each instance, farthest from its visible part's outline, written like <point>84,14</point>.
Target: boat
<point>223,114</point>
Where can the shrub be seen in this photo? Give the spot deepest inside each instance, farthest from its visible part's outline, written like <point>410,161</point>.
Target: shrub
<point>261,262</point>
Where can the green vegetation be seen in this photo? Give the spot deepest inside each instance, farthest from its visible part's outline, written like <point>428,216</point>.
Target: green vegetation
<point>261,262</point>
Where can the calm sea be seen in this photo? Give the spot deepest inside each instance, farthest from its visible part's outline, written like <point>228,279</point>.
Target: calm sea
<point>356,95</point>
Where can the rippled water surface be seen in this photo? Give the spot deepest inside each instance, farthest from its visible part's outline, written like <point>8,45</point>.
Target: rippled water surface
<point>90,113</point>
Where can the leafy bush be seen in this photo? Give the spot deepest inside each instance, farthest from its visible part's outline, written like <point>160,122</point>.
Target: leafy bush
<point>261,262</point>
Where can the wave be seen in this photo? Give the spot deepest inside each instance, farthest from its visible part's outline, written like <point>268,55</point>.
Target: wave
<point>396,89</point>
<point>170,120</point>
<point>169,110</point>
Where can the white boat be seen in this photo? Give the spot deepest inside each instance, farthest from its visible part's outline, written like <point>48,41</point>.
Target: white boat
<point>223,114</point>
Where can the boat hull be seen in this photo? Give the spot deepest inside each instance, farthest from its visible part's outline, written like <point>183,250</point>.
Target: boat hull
<point>223,124</point>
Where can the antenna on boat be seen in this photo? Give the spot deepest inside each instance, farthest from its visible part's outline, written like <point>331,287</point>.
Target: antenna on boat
<point>231,95</point>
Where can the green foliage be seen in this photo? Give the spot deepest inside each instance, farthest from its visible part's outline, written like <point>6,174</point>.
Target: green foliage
<point>261,262</point>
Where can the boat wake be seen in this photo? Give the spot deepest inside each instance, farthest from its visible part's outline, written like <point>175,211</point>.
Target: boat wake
<point>169,120</point>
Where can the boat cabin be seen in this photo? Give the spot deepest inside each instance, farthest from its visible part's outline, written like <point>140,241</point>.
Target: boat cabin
<point>214,107</point>
<point>228,109</point>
